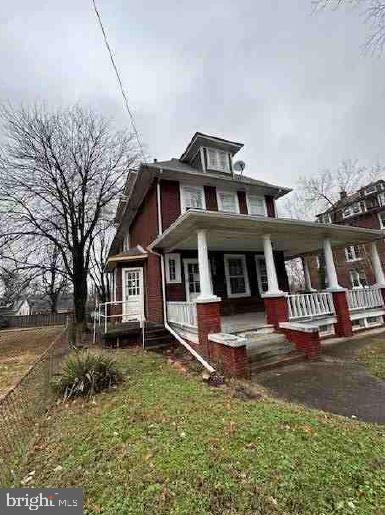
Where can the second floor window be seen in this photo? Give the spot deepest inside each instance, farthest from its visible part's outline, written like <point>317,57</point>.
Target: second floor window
<point>353,209</point>
<point>256,205</point>
<point>193,197</point>
<point>354,252</point>
<point>228,201</point>
<point>217,160</point>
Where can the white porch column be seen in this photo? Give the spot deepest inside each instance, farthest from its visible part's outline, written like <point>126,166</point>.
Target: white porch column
<point>377,266</point>
<point>272,281</point>
<point>206,294</point>
<point>330,267</point>
<point>306,274</point>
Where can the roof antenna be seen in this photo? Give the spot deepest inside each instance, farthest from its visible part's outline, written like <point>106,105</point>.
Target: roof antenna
<point>239,166</point>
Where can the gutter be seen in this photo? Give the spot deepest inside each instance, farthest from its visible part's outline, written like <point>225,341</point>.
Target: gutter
<point>187,346</point>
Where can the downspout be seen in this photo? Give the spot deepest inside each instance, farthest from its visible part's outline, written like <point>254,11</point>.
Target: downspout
<point>188,347</point>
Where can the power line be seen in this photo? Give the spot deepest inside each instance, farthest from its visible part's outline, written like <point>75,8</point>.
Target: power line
<point>120,83</point>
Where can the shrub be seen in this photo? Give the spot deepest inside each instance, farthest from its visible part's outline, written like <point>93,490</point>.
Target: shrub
<point>87,373</point>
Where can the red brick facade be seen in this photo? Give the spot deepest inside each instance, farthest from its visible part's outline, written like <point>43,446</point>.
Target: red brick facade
<point>209,321</point>
<point>276,310</point>
<point>343,327</point>
<point>307,342</point>
<point>231,360</point>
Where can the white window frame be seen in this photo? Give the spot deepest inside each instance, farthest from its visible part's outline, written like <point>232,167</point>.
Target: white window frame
<point>259,197</point>
<point>369,191</point>
<point>219,200</point>
<point>212,166</point>
<point>359,279</point>
<point>242,257</point>
<point>353,252</point>
<point>183,188</point>
<point>113,285</point>
<point>258,260</point>
<point>382,224</point>
<point>350,210</point>
<point>178,274</point>
<point>381,198</point>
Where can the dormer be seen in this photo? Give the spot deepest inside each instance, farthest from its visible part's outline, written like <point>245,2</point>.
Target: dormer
<point>210,154</point>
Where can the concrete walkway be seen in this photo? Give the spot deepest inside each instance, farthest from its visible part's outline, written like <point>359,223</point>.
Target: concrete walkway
<point>334,383</point>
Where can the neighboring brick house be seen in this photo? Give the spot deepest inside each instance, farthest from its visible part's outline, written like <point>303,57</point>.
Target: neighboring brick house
<point>199,250</point>
<point>364,208</point>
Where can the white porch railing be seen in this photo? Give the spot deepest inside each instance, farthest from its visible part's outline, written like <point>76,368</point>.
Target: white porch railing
<point>366,298</point>
<point>182,313</point>
<point>308,305</point>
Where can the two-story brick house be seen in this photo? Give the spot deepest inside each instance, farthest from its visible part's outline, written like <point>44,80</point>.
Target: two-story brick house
<point>364,208</point>
<point>200,250</point>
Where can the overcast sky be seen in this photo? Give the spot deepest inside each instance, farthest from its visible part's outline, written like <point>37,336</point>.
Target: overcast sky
<point>294,87</point>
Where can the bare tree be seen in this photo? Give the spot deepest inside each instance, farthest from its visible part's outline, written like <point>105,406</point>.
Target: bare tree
<point>373,12</point>
<point>13,284</point>
<point>53,281</point>
<point>99,254</point>
<point>60,174</point>
<point>318,192</point>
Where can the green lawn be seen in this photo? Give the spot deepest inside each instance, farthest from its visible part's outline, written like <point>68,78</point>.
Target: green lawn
<point>373,357</point>
<point>164,442</point>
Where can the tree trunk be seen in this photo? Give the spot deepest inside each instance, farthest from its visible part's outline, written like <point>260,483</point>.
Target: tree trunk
<point>80,295</point>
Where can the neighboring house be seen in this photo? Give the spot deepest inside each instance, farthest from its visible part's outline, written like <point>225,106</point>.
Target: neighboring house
<point>21,307</point>
<point>364,208</point>
<point>200,251</point>
<point>40,304</point>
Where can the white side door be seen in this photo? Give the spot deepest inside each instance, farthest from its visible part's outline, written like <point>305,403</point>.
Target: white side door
<point>191,275</point>
<point>133,294</point>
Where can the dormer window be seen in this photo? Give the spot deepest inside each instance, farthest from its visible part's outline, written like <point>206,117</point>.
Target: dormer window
<point>218,160</point>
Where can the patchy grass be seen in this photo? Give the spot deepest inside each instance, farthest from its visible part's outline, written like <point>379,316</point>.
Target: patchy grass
<point>372,357</point>
<point>164,442</point>
<point>18,349</point>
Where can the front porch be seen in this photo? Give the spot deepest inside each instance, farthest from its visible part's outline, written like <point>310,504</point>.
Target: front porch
<point>303,318</point>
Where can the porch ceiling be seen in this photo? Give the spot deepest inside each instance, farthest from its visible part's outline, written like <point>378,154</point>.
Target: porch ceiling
<point>231,232</point>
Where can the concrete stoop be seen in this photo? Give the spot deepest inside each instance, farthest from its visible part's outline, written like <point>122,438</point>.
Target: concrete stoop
<point>268,350</point>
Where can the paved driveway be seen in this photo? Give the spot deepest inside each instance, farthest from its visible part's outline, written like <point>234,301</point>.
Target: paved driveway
<point>334,383</point>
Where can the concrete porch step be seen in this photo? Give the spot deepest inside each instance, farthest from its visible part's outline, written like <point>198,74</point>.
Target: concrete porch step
<point>275,362</point>
<point>251,333</point>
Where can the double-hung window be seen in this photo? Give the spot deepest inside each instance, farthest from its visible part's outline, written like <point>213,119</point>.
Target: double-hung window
<point>353,252</point>
<point>192,197</point>
<point>217,160</point>
<point>173,273</point>
<point>358,278</point>
<point>237,280</point>
<point>228,201</point>
<point>256,205</point>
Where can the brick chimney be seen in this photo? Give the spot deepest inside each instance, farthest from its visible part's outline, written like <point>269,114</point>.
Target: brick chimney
<point>343,194</point>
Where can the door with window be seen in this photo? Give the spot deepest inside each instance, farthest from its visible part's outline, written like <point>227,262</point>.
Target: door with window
<point>133,294</point>
<point>263,285</point>
<point>191,273</point>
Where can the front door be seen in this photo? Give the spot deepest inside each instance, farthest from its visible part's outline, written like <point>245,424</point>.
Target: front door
<point>191,274</point>
<point>133,302</point>
<point>261,274</point>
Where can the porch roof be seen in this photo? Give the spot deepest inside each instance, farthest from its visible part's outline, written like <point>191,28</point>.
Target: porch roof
<point>236,232</point>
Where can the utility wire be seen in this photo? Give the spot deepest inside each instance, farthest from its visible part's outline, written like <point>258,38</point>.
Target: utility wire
<point>120,83</point>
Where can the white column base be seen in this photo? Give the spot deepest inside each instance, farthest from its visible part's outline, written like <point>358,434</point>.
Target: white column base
<point>207,300</point>
<point>333,289</point>
<point>272,294</point>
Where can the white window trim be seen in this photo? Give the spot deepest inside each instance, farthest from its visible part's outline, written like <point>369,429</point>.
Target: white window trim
<point>382,225</point>
<point>178,274</point>
<point>351,211</point>
<point>245,275</point>
<point>258,260</point>
<point>381,198</point>
<point>359,279</point>
<point>182,188</point>
<point>355,258</point>
<point>219,200</point>
<point>207,164</point>
<point>262,197</point>
<point>367,191</point>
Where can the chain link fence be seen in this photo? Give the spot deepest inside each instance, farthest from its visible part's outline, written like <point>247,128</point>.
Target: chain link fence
<point>22,406</point>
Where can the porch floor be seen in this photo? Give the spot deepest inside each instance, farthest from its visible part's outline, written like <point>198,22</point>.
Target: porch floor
<point>243,322</point>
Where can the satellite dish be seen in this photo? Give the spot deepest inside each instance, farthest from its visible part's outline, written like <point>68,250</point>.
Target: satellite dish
<point>239,166</point>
